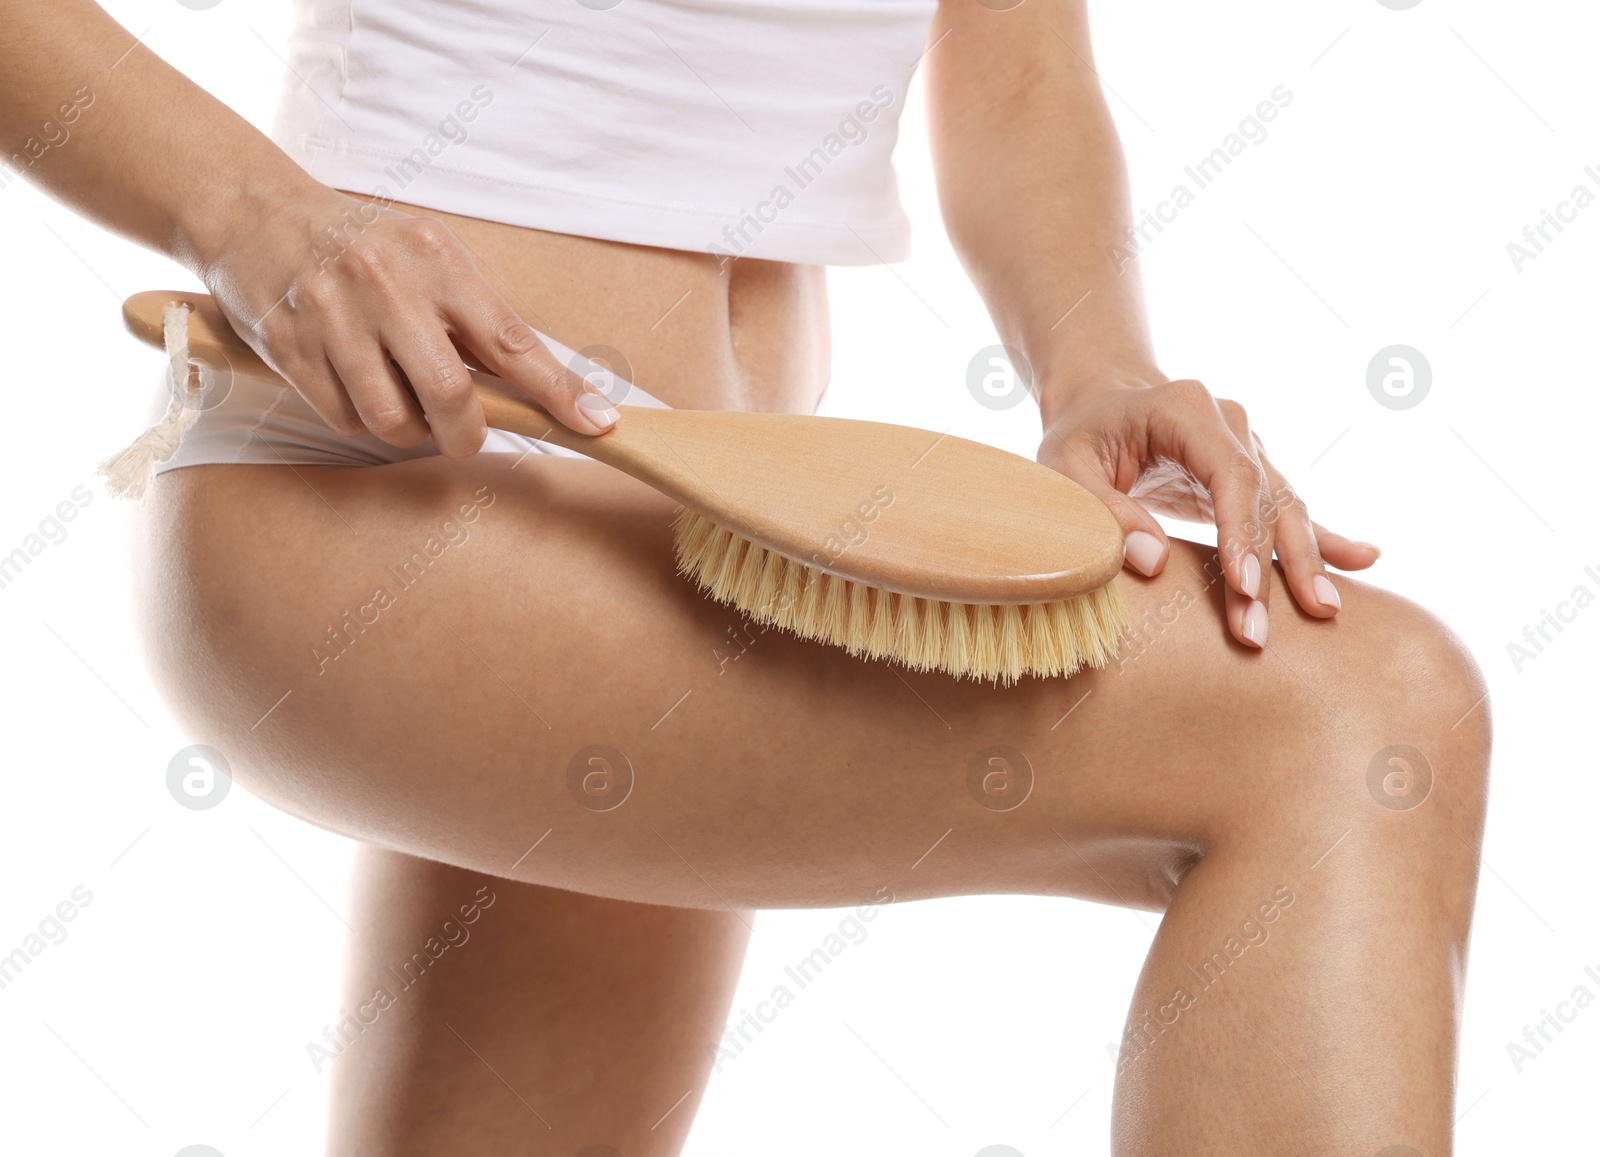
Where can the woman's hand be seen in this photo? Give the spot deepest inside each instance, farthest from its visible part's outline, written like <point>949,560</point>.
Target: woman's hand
<point>1173,449</point>
<point>369,313</point>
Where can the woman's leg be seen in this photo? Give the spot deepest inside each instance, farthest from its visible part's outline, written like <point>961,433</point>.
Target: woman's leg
<point>514,1018</point>
<point>1304,988</point>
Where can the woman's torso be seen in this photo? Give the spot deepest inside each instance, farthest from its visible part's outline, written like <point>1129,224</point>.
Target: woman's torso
<point>665,179</point>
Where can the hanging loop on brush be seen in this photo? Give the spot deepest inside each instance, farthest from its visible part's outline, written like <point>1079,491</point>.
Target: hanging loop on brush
<point>128,473</point>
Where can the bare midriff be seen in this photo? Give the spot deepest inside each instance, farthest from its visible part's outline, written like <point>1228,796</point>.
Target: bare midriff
<point>696,331</point>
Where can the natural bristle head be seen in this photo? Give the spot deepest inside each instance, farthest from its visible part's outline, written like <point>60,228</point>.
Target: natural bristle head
<point>980,641</point>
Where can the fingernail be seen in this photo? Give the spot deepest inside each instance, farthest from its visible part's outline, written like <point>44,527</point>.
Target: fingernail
<point>597,407</point>
<point>1370,547</point>
<point>1250,578</point>
<point>1327,594</point>
<point>1255,623</point>
<point>1143,550</point>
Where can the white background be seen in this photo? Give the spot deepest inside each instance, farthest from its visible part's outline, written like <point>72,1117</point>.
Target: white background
<point>1418,144</point>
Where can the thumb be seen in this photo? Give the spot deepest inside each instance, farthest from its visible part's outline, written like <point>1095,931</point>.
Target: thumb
<point>1144,542</point>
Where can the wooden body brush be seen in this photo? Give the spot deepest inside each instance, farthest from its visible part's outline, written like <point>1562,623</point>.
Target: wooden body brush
<point>891,542</point>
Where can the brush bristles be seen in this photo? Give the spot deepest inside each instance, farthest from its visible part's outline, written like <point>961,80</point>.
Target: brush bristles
<point>980,641</point>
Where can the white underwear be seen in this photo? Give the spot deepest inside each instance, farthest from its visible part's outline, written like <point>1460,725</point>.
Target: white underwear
<point>250,418</point>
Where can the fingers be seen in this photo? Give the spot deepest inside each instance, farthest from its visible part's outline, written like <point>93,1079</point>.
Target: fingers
<point>1250,609</point>
<point>1227,465</point>
<point>1289,533</point>
<point>1145,546</point>
<point>1342,552</point>
<point>369,334</point>
<point>1195,457</point>
<point>318,383</point>
<point>1296,542</point>
<point>510,349</point>
<point>442,385</point>
<point>385,406</point>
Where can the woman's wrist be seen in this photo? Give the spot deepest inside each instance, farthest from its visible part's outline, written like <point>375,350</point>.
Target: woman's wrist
<point>213,227</point>
<point>1059,391</point>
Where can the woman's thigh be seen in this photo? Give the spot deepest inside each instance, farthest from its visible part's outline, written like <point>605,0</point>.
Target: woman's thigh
<point>492,663</point>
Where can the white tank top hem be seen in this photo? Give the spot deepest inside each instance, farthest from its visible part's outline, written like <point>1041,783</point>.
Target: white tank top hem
<point>758,128</point>
<point>612,218</point>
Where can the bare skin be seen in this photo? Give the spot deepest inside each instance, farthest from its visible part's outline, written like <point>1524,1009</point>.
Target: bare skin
<point>1198,779</point>
<point>1206,775</point>
<point>1195,777</point>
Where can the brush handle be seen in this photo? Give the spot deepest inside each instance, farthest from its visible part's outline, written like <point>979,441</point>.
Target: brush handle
<point>213,341</point>
<point>930,515</point>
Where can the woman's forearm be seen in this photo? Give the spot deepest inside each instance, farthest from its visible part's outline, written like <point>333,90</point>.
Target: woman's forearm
<point>1035,193</point>
<point>124,139</point>
<point>373,344</point>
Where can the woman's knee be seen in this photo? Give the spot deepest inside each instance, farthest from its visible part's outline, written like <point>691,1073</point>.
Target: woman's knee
<point>1429,702</point>
<point>1349,755</point>
<point>1398,732</point>
<point>1379,708</point>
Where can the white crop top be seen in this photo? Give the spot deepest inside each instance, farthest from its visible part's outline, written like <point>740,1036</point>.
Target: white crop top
<point>750,129</point>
